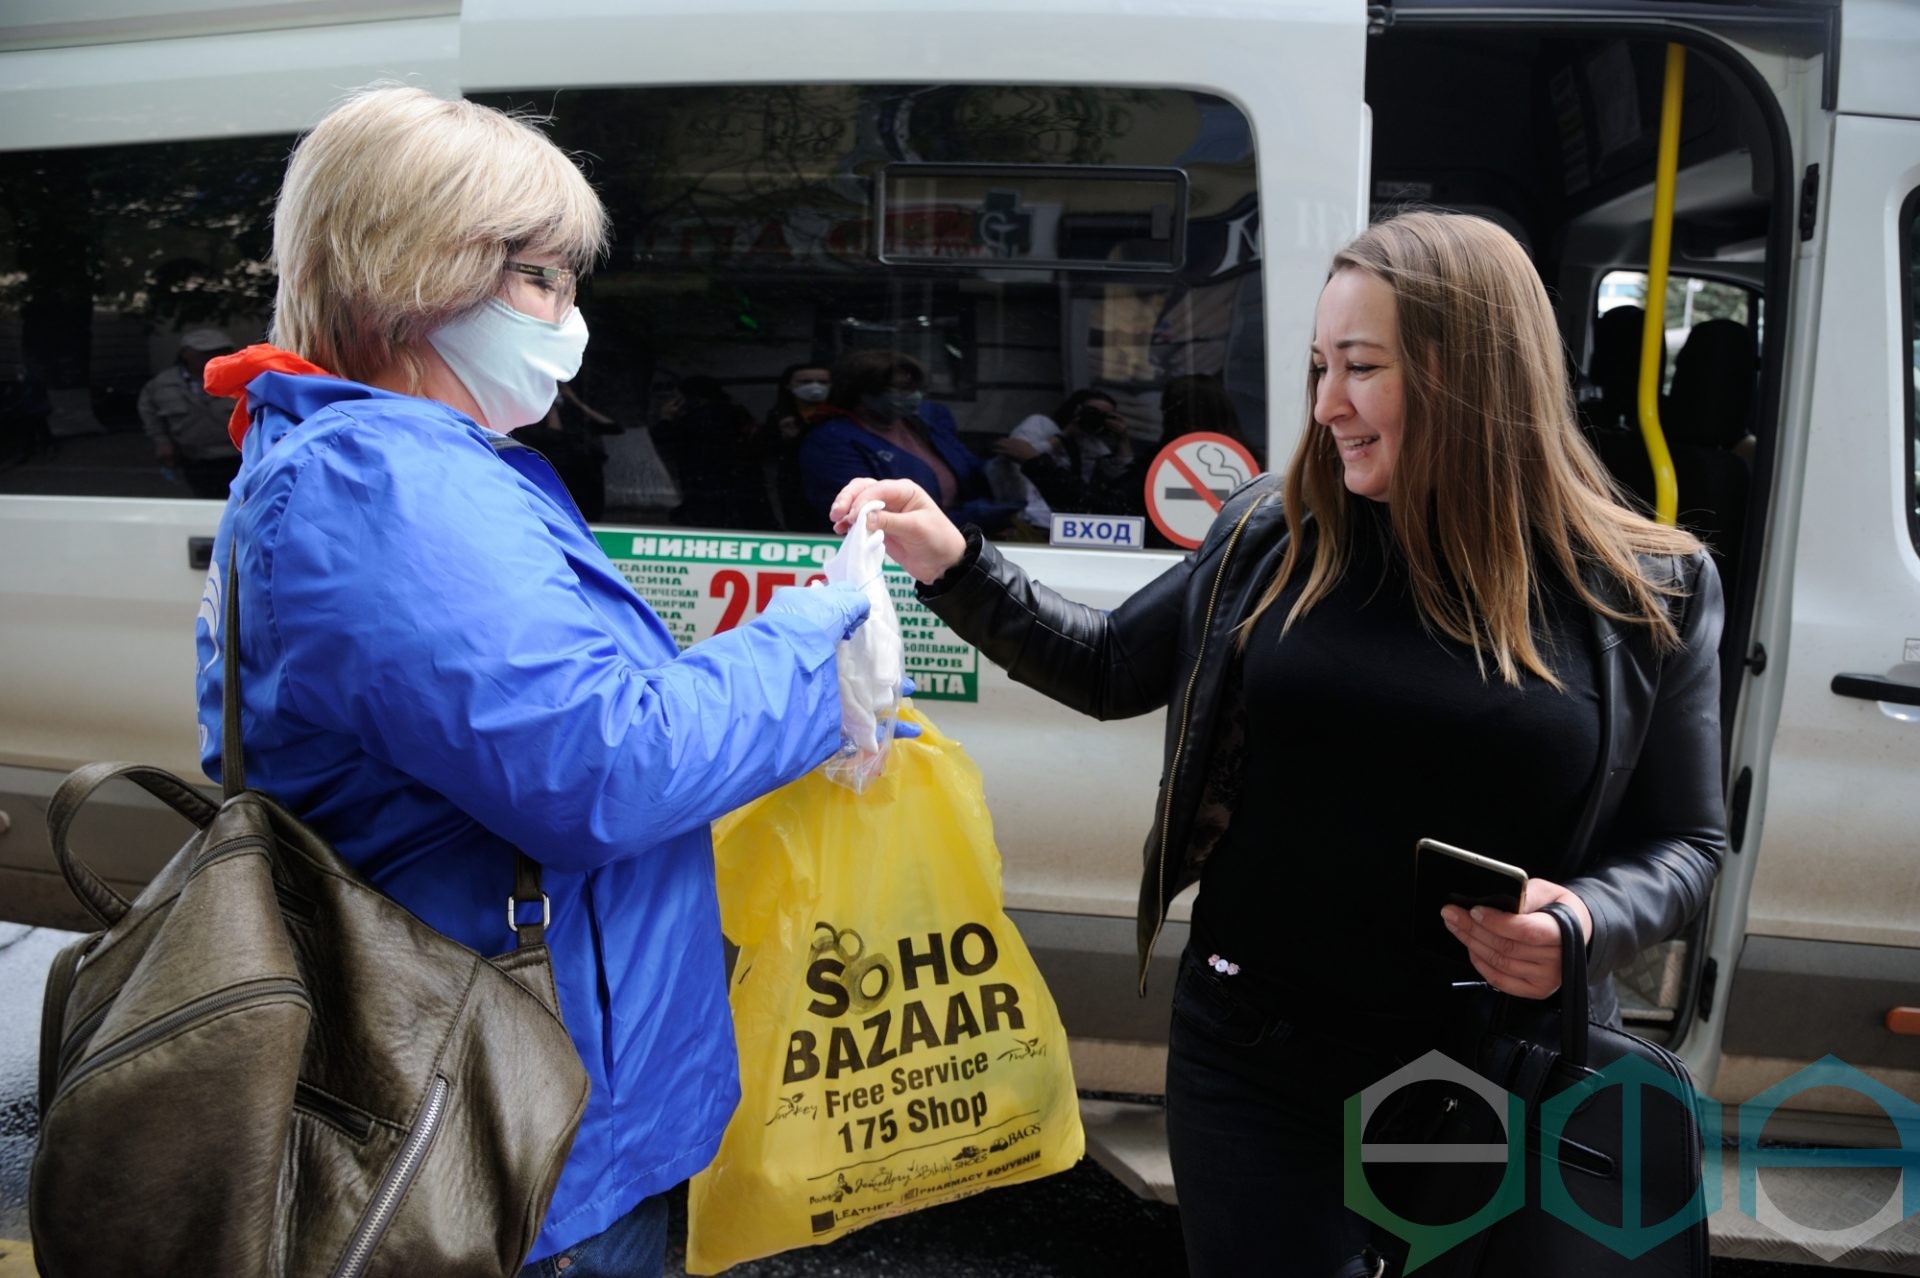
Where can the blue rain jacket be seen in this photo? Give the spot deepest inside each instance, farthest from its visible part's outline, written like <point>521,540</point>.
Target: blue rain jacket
<point>441,664</point>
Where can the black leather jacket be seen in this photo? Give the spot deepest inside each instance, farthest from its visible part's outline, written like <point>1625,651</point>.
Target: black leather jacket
<point>1649,842</point>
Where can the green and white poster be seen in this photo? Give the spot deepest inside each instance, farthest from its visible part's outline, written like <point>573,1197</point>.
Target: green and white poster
<point>703,583</point>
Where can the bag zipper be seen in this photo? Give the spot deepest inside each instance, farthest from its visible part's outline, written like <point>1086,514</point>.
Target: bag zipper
<point>393,1187</point>
<point>202,1008</point>
<point>1179,748</point>
<point>77,1041</point>
<point>333,1111</point>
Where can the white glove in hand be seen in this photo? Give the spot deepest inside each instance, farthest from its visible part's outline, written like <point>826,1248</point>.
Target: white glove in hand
<point>872,662</point>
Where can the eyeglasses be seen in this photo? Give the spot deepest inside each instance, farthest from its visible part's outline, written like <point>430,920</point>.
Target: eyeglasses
<point>561,282</point>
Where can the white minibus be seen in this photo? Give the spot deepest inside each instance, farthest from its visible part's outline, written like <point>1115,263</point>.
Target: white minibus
<point>1033,200</point>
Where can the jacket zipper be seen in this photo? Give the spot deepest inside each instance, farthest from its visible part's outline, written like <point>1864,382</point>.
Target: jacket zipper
<point>393,1187</point>
<point>202,1008</point>
<point>1179,748</point>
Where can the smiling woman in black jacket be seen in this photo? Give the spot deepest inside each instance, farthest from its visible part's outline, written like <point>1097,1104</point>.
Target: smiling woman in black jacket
<point>1441,624</point>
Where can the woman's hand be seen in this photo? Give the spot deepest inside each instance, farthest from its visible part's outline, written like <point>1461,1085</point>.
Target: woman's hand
<point>919,537</point>
<point>1518,953</point>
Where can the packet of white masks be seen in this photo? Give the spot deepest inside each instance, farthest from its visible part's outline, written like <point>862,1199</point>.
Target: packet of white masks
<point>872,663</point>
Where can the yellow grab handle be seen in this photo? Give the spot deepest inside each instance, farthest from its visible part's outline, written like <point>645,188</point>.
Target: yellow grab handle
<point>1653,353</point>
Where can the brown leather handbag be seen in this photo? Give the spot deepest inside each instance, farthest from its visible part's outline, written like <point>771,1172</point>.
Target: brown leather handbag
<point>265,1066</point>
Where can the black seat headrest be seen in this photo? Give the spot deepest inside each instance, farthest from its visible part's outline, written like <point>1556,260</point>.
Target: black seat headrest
<point>1713,379</point>
<point>1615,364</point>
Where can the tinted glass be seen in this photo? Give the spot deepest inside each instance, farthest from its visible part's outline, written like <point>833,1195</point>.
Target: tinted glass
<point>1017,244</point>
<point>1910,259</point>
<point>1044,241</point>
<point>1690,302</point>
<point>121,269</point>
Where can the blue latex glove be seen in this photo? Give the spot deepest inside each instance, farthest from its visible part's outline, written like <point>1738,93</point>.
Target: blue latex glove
<point>838,610</point>
<point>904,730</point>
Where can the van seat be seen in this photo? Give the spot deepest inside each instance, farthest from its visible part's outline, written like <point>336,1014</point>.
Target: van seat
<point>1614,371</point>
<point>1706,415</point>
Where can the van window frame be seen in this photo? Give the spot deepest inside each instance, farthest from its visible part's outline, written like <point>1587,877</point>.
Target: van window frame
<point>1755,321</point>
<point>1905,230</point>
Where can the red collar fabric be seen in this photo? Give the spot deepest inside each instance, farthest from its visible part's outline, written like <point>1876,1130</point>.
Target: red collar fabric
<point>228,376</point>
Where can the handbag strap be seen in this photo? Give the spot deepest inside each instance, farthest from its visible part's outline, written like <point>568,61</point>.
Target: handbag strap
<point>233,766</point>
<point>1574,1000</point>
<point>233,754</point>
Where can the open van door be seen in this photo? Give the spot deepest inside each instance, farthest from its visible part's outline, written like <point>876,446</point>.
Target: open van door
<point>1816,933</point>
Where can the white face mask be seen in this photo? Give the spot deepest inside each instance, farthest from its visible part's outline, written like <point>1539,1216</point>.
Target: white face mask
<point>810,392</point>
<point>511,363</point>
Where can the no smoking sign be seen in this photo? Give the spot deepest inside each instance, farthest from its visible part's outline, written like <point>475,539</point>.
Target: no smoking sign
<point>1189,482</point>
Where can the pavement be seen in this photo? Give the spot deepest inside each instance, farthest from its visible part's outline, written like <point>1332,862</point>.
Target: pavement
<point>25,954</point>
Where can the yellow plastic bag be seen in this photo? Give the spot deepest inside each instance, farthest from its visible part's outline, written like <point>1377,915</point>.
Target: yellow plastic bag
<point>897,1046</point>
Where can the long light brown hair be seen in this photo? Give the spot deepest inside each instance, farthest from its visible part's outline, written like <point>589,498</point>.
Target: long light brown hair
<point>1492,474</point>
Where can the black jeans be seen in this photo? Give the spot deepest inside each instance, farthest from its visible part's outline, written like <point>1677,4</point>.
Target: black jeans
<point>1254,1128</point>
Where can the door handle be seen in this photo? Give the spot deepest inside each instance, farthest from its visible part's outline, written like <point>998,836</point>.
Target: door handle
<point>199,553</point>
<point>1877,688</point>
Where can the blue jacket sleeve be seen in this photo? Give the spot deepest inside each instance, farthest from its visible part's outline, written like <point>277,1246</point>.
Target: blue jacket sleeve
<point>424,607</point>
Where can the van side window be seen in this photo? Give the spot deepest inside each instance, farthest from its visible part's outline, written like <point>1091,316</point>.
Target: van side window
<point>1691,301</point>
<point>122,269</point>
<point>1910,309</point>
<point>1060,275</point>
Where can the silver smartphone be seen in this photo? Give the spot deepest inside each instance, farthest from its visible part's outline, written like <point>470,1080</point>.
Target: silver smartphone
<point>1446,875</point>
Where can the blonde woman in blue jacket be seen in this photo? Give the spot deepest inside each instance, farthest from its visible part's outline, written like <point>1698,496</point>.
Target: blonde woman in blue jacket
<point>442,666</point>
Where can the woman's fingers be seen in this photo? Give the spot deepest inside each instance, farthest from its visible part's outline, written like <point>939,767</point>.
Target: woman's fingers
<point>1518,984</point>
<point>1516,953</point>
<point>897,494</point>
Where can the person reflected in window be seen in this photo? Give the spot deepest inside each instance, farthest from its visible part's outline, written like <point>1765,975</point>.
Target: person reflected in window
<point>187,425</point>
<point>881,426</point>
<point>799,404</point>
<point>569,438</point>
<point>1074,459</point>
<point>1199,402</point>
<point>713,446</point>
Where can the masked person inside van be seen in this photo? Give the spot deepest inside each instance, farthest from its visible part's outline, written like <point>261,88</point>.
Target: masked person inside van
<point>1442,623</point>
<point>883,424</point>
<point>440,666</point>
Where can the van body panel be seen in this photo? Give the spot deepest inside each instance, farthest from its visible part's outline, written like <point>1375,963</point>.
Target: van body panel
<point>1829,861</point>
<point>1879,49</point>
<point>1801,1000</point>
<point>1856,586</point>
<point>30,24</point>
<point>207,86</point>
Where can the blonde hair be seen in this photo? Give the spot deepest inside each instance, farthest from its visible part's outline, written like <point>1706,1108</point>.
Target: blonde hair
<point>400,210</point>
<point>1492,473</point>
